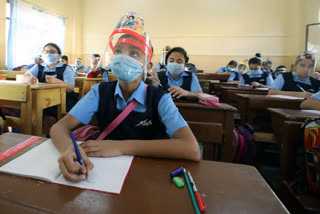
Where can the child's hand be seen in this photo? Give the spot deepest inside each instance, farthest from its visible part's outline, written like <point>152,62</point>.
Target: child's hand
<point>255,84</point>
<point>71,170</point>
<point>177,92</point>
<point>33,80</point>
<point>305,94</point>
<point>155,80</point>
<point>104,148</point>
<point>52,80</point>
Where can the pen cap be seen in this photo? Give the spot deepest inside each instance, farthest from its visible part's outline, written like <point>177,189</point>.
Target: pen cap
<point>176,172</point>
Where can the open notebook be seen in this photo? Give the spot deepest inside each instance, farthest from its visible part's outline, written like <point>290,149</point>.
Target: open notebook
<point>108,174</point>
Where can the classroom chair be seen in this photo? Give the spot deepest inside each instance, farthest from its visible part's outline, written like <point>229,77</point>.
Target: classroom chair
<point>17,96</point>
<point>211,135</point>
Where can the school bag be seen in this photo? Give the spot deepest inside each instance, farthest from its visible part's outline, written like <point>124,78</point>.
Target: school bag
<point>242,145</point>
<point>312,153</point>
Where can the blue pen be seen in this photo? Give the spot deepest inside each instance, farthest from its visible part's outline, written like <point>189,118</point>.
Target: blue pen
<point>300,88</point>
<point>76,148</point>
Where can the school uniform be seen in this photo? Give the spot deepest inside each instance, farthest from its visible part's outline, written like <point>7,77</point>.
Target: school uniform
<point>160,66</point>
<point>96,73</point>
<point>80,67</point>
<point>256,76</point>
<point>316,96</point>
<point>235,75</point>
<point>154,117</point>
<point>271,72</point>
<point>187,80</point>
<point>60,71</point>
<point>289,82</point>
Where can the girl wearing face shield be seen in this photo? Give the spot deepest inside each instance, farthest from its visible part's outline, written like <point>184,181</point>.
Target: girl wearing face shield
<point>146,129</point>
<point>298,83</point>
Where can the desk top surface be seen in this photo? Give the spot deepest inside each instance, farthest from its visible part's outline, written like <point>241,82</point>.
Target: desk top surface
<point>265,97</point>
<point>228,188</point>
<point>194,105</point>
<point>294,114</point>
<point>35,86</point>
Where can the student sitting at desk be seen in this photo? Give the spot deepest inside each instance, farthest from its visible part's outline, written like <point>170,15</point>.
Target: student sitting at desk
<point>279,70</point>
<point>65,59</point>
<point>298,83</point>
<point>230,68</point>
<point>92,70</point>
<point>144,131</point>
<point>255,77</point>
<point>267,67</point>
<point>178,82</point>
<point>52,71</point>
<point>242,69</point>
<point>312,102</point>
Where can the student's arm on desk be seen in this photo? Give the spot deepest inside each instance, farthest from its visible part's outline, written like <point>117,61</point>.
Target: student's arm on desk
<point>177,92</point>
<point>182,146</point>
<point>28,78</point>
<point>60,135</point>
<point>310,103</point>
<point>304,94</point>
<point>53,80</point>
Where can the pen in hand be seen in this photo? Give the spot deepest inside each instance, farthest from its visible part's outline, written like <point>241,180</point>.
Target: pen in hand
<point>79,157</point>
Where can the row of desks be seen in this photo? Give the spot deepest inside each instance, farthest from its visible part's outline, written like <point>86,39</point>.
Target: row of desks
<point>227,188</point>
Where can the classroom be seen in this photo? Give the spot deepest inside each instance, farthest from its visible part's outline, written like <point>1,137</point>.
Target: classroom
<point>160,106</point>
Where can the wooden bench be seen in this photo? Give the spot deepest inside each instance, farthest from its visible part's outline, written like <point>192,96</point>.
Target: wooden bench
<point>17,96</point>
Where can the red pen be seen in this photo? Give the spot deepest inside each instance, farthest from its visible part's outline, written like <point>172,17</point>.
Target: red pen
<point>200,201</point>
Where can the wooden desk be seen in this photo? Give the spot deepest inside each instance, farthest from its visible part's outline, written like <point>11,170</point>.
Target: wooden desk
<point>84,84</point>
<point>223,115</point>
<point>250,104</point>
<point>207,85</point>
<point>228,93</point>
<point>11,75</point>
<point>202,76</point>
<point>229,188</point>
<point>44,96</point>
<point>280,115</point>
<point>222,76</point>
<point>3,76</point>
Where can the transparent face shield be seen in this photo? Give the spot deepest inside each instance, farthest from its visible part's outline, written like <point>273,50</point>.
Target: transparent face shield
<point>129,42</point>
<point>305,65</point>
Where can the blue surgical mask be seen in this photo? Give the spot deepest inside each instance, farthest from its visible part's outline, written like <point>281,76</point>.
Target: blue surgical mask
<point>175,69</point>
<point>49,58</point>
<point>125,68</point>
<point>229,69</point>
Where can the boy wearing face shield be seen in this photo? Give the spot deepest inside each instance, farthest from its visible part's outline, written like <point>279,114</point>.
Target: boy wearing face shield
<point>298,83</point>
<point>144,130</point>
<point>178,82</point>
<point>93,71</point>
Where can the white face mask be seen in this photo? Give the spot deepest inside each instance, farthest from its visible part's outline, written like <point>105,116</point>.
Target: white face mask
<point>175,69</point>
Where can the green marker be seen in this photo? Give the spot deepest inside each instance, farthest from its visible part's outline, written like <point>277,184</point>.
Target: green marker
<point>194,202</point>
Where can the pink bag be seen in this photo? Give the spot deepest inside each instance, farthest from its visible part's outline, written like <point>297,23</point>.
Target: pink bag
<point>209,100</point>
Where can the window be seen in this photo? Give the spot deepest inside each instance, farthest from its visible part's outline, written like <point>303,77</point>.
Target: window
<point>30,29</point>
<point>7,23</point>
